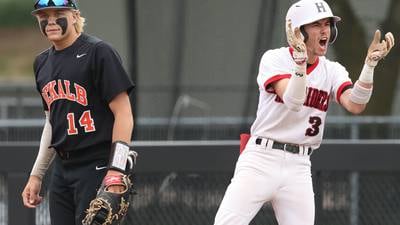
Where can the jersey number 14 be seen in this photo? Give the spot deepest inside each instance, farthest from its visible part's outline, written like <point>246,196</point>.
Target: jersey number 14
<point>86,121</point>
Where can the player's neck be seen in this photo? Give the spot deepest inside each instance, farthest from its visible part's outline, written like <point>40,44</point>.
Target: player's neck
<point>312,59</point>
<point>66,42</point>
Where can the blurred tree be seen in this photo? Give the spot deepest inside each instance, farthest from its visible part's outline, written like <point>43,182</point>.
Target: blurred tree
<point>351,48</point>
<point>20,39</point>
<point>387,73</point>
<point>16,13</point>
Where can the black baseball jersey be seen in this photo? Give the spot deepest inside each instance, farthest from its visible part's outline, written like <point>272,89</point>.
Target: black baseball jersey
<point>76,85</point>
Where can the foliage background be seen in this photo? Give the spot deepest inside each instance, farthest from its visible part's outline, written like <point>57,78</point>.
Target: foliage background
<point>20,40</point>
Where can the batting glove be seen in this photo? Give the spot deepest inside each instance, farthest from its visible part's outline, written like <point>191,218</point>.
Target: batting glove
<point>379,49</point>
<point>295,40</point>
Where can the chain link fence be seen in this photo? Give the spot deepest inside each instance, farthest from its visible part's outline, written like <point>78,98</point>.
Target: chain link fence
<point>170,198</point>
<point>3,200</point>
<point>216,128</point>
<point>22,119</point>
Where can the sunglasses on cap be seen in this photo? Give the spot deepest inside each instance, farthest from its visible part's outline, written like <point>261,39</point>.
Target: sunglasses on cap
<point>56,4</point>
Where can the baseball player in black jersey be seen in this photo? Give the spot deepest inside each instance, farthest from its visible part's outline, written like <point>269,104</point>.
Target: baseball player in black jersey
<point>89,121</point>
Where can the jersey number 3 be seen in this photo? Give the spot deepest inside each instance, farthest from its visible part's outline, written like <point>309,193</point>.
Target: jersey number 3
<point>86,121</point>
<point>315,122</point>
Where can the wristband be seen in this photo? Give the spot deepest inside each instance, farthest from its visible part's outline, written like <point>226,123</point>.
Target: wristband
<point>119,156</point>
<point>360,94</point>
<point>367,74</point>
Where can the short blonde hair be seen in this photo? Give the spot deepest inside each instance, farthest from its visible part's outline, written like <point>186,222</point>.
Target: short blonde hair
<point>80,22</point>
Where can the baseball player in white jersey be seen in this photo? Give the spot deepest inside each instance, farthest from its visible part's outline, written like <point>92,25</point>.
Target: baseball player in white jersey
<point>296,84</point>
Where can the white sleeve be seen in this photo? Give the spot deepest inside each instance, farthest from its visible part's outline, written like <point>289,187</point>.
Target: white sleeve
<point>271,69</point>
<point>45,155</point>
<point>340,80</point>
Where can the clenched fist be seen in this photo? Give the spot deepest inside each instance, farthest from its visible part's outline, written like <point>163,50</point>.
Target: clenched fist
<point>30,194</point>
<point>379,49</point>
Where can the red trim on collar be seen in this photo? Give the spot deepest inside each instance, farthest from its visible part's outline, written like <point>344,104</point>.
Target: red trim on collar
<point>311,67</point>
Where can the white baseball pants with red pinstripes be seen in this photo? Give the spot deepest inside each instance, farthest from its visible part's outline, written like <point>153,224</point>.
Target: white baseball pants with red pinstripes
<point>262,175</point>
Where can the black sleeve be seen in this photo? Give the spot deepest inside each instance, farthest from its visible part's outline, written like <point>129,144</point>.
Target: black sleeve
<point>110,76</point>
<point>36,64</point>
<point>345,88</point>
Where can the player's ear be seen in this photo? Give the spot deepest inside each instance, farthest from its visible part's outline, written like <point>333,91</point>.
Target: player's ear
<point>75,15</point>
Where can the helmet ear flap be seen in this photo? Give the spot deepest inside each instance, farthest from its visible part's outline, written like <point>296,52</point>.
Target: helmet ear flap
<point>304,33</point>
<point>334,32</point>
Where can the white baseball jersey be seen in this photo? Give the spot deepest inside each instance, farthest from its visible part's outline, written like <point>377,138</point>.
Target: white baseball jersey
<point>326,80</point>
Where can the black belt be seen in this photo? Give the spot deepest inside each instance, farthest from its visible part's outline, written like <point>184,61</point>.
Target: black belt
<point>286,147</point>
<point>101,150</point>
<point>67,155</point>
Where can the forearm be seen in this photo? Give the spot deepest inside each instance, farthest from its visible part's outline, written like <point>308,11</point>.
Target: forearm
<point>123,126</point>
<point>122,132</point>
<point>355,100</point>
<point>45,155</point>
<point>295,92</point>
<point>367,76</point>
<point>362,90</point>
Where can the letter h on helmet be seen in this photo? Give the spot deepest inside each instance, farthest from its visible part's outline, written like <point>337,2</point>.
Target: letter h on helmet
<point>308,11</point>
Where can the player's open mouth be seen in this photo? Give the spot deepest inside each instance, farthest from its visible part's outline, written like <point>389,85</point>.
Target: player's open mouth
<point>323,42</point>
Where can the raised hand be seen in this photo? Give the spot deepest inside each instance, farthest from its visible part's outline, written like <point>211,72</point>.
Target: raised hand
<point>295,40</point>
<point>379,49</point>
